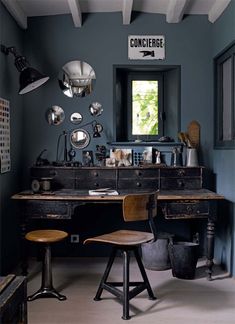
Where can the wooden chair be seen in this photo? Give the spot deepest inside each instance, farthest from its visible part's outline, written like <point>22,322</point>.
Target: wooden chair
<point>136,207</point>
<point>46,237</point>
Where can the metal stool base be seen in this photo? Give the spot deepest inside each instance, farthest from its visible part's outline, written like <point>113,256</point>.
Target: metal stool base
<point>47,289</point>
<point>45,292</point>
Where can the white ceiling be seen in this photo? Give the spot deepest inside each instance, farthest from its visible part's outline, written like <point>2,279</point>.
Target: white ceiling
<point>173,9</point>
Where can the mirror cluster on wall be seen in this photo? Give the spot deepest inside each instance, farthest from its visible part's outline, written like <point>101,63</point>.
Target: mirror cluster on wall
<point>77,79</point>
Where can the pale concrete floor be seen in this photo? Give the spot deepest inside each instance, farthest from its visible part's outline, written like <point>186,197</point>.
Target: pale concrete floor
<point>178,301</point>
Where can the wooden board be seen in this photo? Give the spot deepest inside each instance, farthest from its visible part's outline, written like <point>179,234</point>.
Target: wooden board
<point>194,133</point>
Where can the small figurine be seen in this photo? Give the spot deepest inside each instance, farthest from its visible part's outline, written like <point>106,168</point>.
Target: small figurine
<point>158,157</point>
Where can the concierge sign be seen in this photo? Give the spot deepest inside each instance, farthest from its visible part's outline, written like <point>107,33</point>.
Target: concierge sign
<point>149,47</point>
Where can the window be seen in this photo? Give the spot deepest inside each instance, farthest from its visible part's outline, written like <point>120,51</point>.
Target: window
<point>144,109</point>
<point>146,102</point>
<point>225,98</point>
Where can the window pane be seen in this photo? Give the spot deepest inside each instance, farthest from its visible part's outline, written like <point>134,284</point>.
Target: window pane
<point>227,100</point>
<point>144,107</point>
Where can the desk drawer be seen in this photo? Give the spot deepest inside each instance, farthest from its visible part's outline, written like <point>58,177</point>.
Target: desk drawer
<point>95,173</point>
<point>48,209</point>
<point>180,172</point>
<point>138,184</point>
<point>180,183</point>
<point>138,173</point>
<point>95,183</point>
<point>186,209</point>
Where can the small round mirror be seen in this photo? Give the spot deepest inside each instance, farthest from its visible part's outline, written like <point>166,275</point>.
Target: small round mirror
<point>80,138</point>
<point>95,109</point>
<point>76,118</point>
<point>55,115</point>
<point>77,79</point>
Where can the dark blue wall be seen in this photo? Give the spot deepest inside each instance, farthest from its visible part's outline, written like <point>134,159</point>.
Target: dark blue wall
<point>223,33</point>
<point>102,42</point>
<point>10,182</point>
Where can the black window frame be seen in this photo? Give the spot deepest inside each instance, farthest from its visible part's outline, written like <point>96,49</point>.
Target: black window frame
<point>143,75</point>
<point>226,54</point>
<point>171,99</point>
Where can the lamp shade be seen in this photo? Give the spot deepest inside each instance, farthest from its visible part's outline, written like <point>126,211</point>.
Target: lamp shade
<point>31,79</point>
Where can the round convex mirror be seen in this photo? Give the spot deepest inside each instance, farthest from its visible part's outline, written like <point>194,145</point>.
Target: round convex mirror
<point>55,115</point>
<point>80,138</point>
<point>77,79</point>
<point>95,109</point>
<point>76,118</point>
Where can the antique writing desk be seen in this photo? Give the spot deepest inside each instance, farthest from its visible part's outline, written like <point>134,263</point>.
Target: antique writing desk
<point>181,194</point>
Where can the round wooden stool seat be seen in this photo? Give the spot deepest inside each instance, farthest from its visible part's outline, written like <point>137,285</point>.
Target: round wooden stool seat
<point>46,236</point>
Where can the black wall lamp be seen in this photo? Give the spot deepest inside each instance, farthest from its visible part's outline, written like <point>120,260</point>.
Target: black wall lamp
<point>30,78</point>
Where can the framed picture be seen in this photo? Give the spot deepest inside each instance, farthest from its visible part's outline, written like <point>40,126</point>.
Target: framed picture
<point>87,158</point>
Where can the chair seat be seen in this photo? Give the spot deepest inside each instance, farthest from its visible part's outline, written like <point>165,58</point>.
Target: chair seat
<point>46,236</point>
<point>122,237</point>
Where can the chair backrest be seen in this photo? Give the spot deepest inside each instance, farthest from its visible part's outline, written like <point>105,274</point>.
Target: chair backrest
<point>138,207</point>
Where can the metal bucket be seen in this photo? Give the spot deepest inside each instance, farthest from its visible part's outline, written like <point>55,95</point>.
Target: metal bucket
<point>155,255</point>
<point>183,257</point>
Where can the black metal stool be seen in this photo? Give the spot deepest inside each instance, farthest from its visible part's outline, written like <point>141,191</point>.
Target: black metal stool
<point>46,237</point>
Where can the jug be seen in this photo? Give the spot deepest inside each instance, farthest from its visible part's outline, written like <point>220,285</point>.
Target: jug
<point>191,157</point>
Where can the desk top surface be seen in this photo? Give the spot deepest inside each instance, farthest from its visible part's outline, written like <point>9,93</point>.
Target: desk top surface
<point>82,195</point>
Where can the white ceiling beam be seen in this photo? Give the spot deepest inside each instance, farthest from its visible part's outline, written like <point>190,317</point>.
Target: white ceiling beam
<point>175,10</point>
<point>217,9</point>
<point>126,11</point>
<point>75,9</point>
<point>16,12</point>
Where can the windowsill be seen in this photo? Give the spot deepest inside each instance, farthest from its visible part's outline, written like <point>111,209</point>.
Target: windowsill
<point>145,143</point>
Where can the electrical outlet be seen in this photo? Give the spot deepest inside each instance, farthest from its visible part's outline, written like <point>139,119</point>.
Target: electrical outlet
<point>74,238</point>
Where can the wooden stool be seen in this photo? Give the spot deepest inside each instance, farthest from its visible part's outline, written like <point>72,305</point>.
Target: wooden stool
<point>136,207</point>
<point>46,237</point>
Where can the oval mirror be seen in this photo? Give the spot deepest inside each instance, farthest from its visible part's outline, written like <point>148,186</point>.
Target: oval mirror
<point>76,118</point>
<point>80,138</point>
<point>77,79</point>
<point>95,109</point>
<point>55,115</point>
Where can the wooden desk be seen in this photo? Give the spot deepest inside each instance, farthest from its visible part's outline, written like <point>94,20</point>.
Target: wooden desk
<point>175,204</point>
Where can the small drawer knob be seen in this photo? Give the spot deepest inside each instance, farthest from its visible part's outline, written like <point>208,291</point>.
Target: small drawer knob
<point>96,174</point>
<point>96,184</point>
<point>181,173</point>
<point>138,184</point>
<point>189,209</point>
<point>180,183</point>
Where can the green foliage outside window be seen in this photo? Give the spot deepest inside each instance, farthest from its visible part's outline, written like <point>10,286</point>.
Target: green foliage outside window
<point>144,107</point>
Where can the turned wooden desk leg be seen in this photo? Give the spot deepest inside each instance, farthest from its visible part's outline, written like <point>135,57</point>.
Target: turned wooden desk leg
<point>210,247</point>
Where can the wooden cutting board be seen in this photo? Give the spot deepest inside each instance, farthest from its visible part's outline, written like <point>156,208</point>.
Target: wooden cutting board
<point>194,133</point>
